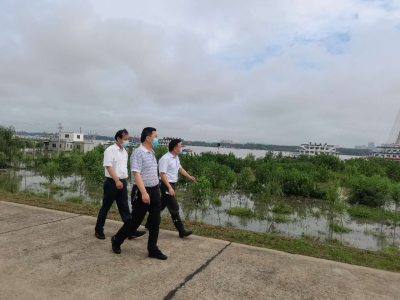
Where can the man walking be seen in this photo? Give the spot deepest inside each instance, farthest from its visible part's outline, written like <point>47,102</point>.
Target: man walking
<point>169,166</point>
<point>115,165</point>
<point>145,195</point>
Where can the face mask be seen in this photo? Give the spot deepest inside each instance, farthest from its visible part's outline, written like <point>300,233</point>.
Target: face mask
<point>125,144</point>
<point>155,142</point>
<point>180,151</point>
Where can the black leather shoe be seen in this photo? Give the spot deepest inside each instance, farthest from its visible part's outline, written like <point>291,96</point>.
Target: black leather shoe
<point>136,235</point>
<point>100,235</point>
<point>158,255</point>
<point>116,248</point>
<point>185,233</point>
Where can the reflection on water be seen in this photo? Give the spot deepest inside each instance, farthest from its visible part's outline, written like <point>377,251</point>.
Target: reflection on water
<point>309,217</point>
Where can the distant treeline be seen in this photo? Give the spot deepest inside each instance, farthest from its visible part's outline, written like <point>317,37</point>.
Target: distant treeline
<point>253,146</point>
<point>344,151</point>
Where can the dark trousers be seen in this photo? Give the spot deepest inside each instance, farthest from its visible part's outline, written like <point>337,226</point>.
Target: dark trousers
<point>169,201</point>
<point>139,210</point>
<point>111,193</point>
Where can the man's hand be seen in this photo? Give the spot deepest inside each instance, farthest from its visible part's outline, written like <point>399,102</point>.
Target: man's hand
<point>171,191</point>
<point>192,178</point>
<point>119,184</point>
<point>146,198</point>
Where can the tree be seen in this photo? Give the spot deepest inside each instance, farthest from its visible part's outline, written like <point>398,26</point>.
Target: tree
<point>49,171</point>
<point>10,147</point>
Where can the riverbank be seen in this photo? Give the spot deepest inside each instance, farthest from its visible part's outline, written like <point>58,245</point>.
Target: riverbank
<point>387,259</point>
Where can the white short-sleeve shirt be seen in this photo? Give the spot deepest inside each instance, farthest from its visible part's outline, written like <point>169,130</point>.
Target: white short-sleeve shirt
<point>117,159</point>
<point>170,165</point>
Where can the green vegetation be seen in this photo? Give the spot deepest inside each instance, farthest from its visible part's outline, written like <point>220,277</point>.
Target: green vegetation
<point>10,148</point>
<point>282,208</point>
<point>376,214</point>
<point>9,182</point>
<point>338,228</point>
<point>201,190</point>
<point>217,202</point>
<point>277,218</point>
<point>241,212</point>
<point>374,182</point>
<point>75,199</point>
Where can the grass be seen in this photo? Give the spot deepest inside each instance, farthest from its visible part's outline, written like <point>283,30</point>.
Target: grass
<point>278,218</point>
<point>59,188</point>
<point>241,212</point>
<point>387,259</point>
<point>317,213</point>
<point>376,214</point>
<point>77,199</point>
<point>282,208</point>
<point>217,202</point>
<point>338,228</point>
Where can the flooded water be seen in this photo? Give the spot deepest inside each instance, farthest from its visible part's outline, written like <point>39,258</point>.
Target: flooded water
<point>242,153</point>
<point>309,217</point>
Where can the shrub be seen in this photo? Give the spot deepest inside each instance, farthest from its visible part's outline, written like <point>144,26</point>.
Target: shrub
<point>297,183</point>
<point>370,191</point>
<point>201,189</point>
<point>245,179</point>
<point>10,182</point>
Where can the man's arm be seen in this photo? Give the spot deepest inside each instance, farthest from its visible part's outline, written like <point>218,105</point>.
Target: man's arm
<point>163,168</point>
<point>184,173</point>
<point>166,182</point>
<point>136,167</point>
<point>107,163</point>
<point>114,176</point>
<point>141,187</point>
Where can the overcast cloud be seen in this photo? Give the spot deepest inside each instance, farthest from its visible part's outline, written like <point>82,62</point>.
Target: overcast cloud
<point>276,72</point>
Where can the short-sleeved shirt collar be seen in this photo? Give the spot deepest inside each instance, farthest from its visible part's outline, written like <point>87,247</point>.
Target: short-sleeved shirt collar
<point>145,150</point>
<point>118,148</point>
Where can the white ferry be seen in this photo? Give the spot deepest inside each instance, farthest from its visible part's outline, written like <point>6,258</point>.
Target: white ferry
<point>313,149</point>
<point>389,151</point>
<point>166,140</point>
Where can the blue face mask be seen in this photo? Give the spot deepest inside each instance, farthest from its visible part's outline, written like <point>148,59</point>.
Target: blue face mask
<point>180,151</point>
<point>155,142</point>
<point>125,144</point>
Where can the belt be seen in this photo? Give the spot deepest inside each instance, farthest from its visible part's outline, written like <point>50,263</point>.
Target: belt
<point>118,178</point>
<point>146,187</point>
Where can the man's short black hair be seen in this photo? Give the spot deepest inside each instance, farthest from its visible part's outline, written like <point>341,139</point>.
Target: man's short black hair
<point>173,144</point>
<point>120,133</point>
<point>148,131</point>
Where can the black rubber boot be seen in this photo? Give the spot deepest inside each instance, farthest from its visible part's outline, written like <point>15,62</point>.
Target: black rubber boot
<point>179,225</point>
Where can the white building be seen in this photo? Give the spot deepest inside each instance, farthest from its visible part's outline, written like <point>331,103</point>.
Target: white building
<point>68,141</point>
<point>316,149</point>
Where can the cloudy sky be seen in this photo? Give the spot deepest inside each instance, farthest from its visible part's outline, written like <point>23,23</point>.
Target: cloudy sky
<point>276,72</point>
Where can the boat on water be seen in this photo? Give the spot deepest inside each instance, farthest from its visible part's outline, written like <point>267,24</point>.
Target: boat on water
<point>388,151</point>
<point>313,149</point>
<point>166,140</point>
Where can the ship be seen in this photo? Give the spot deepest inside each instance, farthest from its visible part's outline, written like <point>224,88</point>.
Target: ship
<point>390,150</point>
<point>313,149</point>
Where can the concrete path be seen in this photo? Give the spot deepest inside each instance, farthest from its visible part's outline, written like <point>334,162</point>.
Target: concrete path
<point>47,254</point>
